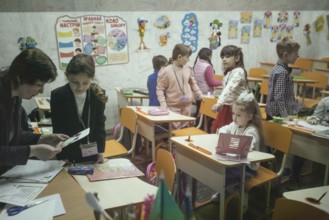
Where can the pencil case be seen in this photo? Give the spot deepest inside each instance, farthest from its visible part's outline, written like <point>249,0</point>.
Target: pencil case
<point>81,170</point>
<point>158,111</point>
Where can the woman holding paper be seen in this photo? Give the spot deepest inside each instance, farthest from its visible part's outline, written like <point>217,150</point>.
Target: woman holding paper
<point>78,105</point>
<point>23,79</point>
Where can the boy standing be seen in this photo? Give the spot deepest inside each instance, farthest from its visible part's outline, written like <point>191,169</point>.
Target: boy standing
<point>158,62</point>
<point>281,99</point>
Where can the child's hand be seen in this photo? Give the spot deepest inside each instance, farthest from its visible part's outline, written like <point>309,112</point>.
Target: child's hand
<point>216,107</point>
<point>312,120</point>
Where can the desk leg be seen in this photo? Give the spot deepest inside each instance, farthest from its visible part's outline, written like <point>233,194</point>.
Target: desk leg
<point>326,175</point>
<point>243,176</point>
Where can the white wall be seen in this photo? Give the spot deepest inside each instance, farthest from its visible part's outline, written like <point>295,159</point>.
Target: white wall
<point>41,26</point>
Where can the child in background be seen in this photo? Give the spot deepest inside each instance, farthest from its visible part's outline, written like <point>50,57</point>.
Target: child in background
<point>247,121</point>
<point>235,82</point>
<point>321,113</point>
<point>176,84</point>
<point>281,99</point>
<point>158,62</point>
<point>204,74</point>
<point>78,105</point>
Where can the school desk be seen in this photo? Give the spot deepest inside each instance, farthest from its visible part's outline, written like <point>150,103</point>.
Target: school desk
<point>318,63</point>
<point>315,192</point>
<point>324,71</point>
<point>125,100</point>
<point>147,123</point>
<point>310,147</point>
<point>118,193</point>
<point>267,65</point>
<point>72,195</point>
<point>196,161</point>
<point>43,104</point>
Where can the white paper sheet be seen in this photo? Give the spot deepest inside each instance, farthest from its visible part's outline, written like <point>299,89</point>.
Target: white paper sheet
<point>35,171</point>
<point>19,193</point>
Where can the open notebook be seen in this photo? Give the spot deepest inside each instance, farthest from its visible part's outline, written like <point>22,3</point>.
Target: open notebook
<point>233,147</point>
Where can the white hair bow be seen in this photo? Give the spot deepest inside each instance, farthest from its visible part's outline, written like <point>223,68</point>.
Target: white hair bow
<point>246,97</point>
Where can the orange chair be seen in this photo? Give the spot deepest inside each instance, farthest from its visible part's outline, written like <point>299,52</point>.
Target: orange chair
<point>263,90</point>
<point>114,148</point>
<point>303,64</point>
<point>320,77</point>
<point>258,72</point>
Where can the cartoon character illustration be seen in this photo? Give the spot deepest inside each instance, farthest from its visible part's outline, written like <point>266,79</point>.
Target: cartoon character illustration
<point>307,33</point>
<point>282,29</point>
<point>319,23</point>
<point>214,38</point>
<point>289,31</point>
<point>162,22</point>
<point>283,17</point>
<point>296,18</point>
<point>164,39</point>
<point>267,19</point>
<point>25,43</point>
<point>141,28</point>
<point>274,33</point>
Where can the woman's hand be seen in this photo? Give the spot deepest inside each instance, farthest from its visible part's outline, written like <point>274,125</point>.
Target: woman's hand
<point>52,139</point>
<point>44,151</point>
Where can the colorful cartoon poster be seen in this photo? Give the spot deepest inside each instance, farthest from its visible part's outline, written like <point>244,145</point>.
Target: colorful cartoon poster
<point>233,29</point>
<point>282,17</point>
<point>319,23</point>
<point>257,31</point>
<point>163,22</point>
<point>274,33</point>
<point>190,31</point>
<point>246,17</point>
<point>245,34</point>
<point>103,37</point>
<point>296,18</point>
<point>307,34</point>
<point>289,31</point>
<point>282,31</point>
<point>267,19</point>
<point>214,38</point>
<point>141,30</point>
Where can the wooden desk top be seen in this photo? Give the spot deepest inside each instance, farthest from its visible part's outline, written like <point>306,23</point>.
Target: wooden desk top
<point>296,79</point>
<point>325,92</point>
<point>254,79</point>
<point>315,192</point>
<point>134,95</point>
<point>142,111</point>
<point>208,142</point>
<point>322,69</point>
<point>72,195</point>
<point>267,63</point>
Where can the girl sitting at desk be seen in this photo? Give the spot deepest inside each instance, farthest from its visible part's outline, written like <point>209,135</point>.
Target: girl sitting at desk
<point>78,105</point>
<point>321,113</point>
<point>247,121</point>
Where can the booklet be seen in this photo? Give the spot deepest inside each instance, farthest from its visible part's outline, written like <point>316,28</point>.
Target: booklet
<point>76,137</point>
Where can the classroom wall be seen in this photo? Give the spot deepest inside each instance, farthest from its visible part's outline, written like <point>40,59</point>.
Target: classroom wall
<point>41,26</point>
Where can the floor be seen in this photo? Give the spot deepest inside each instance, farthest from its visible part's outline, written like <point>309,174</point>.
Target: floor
<point>312,176</point>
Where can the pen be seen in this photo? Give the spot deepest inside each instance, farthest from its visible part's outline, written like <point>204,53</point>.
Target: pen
<point>322,197</point>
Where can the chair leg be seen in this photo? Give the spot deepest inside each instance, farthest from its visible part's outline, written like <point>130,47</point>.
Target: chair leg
<point>268,192</point>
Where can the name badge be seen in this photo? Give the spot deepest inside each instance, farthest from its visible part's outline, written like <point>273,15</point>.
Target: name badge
<point>89,149</point>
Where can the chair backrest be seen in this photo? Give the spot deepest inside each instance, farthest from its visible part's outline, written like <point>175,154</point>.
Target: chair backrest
<point>257,72</point>
<point>128,119</point>
<point>205,107</point>
<point>285,209</point>
<point>304,64</point>
<point>320,77</point>
<point>263,91</point>
<point>277,136</point>
<point>165,164</point>
<point>327,60</point>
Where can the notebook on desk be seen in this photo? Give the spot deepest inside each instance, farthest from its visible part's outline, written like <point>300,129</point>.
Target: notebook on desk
<point>233,147</point>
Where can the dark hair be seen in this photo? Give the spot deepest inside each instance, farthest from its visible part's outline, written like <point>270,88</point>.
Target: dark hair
<point>204,54</point>
<point>30,66</point>
<point>180,49</point>
<point>286,45</point>
<point>159,61</point>
<point>83,63</point>
<point>235,51</point>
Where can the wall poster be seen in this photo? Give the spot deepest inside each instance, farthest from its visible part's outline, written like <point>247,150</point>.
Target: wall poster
<point>103,37</point>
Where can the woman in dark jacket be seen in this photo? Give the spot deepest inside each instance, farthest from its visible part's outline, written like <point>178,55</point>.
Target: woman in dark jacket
<point>78,105</point>
<point>24,78</point>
